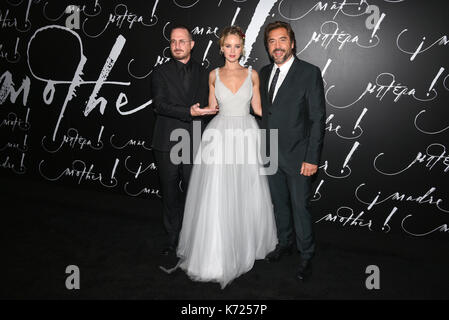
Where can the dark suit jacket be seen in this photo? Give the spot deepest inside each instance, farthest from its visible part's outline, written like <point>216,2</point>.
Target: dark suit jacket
<point>172,104</point>
<point>298,112</point>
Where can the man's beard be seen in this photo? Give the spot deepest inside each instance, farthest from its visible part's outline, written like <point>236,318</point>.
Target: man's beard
<point>281,59</point>
<point>180,55</point>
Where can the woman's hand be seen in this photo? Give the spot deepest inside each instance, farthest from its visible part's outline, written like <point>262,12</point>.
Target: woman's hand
<point>195,110</point>
<point>212,109</point>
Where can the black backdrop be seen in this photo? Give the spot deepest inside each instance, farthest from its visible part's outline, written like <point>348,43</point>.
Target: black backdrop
<point>75,98</point>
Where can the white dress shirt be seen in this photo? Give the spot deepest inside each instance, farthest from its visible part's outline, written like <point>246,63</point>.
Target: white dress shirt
<point>282,73</point>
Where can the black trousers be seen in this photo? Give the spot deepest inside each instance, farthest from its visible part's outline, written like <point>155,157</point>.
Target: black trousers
<point>291,200</point>
<point>174,179</point>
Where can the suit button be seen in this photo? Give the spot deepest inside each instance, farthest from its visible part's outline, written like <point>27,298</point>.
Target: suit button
<point>269,112</point>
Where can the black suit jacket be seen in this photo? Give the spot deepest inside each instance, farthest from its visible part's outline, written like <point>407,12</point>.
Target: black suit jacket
<point>172,103</point>
<point>298,112</point>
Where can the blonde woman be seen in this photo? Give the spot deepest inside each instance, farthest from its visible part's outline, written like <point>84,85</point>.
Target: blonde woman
<point>228,218</point>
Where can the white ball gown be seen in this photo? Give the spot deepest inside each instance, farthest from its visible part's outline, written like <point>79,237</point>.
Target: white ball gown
<point>228,218</point>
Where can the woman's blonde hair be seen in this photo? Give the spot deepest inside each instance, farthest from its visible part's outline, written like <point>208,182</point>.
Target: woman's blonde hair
<point>235,30</point>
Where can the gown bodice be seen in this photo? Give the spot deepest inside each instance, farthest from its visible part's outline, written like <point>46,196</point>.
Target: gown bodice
<point>234,104</point>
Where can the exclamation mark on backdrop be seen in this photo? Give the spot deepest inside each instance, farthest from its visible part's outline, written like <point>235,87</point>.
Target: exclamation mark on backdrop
<point>389,217</point>
<point>113,170</point>
<point>235,16</point>
<point>25,142</point>
<point>28,113</point>
<point>154,10</point>
<point>376,27</point>
<point>21,162</point>
<point>99,135</point>
<point>435,80</point>
<point>348,157</point>
<point>16,53</point>
<point>357,123</point>
<point>317,191</point>
<point>205,54</point>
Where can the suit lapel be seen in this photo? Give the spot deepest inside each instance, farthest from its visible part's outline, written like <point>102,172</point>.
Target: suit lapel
<point>287,80</point>
<point>266,82</point>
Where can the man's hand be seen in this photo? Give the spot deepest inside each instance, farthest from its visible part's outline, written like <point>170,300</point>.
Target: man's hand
<point>196,111</point>
<point>308,169</point>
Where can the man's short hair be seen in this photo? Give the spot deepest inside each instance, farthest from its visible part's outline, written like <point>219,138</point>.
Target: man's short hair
<point>181,26</point>
<point>280,24</point>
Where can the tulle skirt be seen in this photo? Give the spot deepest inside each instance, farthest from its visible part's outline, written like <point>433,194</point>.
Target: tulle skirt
<point>228,218</point>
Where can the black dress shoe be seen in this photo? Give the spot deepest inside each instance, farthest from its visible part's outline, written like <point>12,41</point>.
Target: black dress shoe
<point>304,271</point>
<point>277,253</point>
<point>169,250</point>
